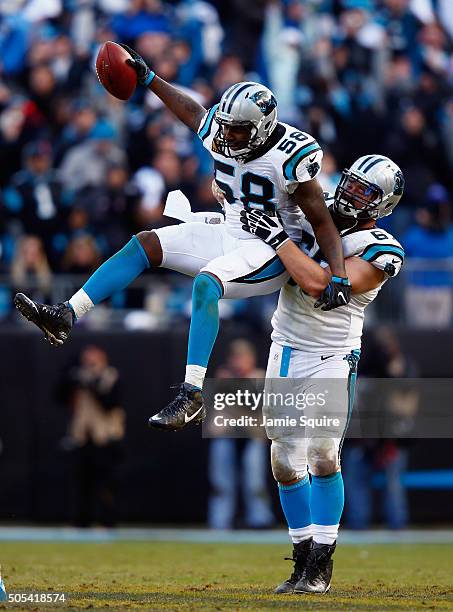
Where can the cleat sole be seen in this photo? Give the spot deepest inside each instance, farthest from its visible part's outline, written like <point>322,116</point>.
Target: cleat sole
<point>28,310</point>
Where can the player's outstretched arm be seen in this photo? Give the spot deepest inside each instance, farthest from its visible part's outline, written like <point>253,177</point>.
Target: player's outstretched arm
<point>182,105</point>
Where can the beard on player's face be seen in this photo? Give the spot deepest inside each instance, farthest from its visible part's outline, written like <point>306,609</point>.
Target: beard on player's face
<point>344,222</point>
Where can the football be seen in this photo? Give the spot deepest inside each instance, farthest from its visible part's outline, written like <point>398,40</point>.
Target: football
<point>115,75</point>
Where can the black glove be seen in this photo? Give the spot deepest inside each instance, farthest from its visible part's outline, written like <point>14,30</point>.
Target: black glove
<point>144,73</point>
<point>337,293</point>
<point>269,229</point>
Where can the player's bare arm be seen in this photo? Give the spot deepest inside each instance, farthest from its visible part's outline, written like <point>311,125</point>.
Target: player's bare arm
<point>182,105</point>
<point>312,278</point>
<point>309,196</point>
<point>336,290</point>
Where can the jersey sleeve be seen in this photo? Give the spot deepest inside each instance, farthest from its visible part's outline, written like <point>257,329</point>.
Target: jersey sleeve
<point>387,255</point>
<point>302,166</point>
<point>208,127</point>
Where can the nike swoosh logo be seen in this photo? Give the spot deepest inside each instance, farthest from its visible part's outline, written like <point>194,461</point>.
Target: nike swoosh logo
<point>188,419</point>
<point>324,357</point>
<point>395,261</point>
<point>312,159</point>
<point>340,293</point>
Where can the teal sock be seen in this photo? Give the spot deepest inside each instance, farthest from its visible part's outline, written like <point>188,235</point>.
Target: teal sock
<point>295,502</point>
<point>204,325</point>
<point>117,272</point>
<point>327,499</point>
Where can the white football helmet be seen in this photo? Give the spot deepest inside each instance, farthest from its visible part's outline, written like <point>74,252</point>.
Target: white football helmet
<point>370,189</point>
<point>246,104</point>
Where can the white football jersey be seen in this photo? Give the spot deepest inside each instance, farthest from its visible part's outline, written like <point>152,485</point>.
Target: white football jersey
<point>288,157</point>
<point>298,324</point>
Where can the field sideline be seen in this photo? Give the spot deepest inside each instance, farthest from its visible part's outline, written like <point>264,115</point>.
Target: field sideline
<point>189,576</point>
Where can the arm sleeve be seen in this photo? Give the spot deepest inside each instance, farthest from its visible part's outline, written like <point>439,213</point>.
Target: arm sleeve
<point>303,165</point>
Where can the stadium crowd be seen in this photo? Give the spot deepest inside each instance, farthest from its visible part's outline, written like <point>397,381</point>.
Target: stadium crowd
<point>81,171</point>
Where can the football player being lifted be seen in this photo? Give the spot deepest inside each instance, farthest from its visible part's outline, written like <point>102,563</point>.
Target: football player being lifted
<point>259,164</point>
<point>316,349</point>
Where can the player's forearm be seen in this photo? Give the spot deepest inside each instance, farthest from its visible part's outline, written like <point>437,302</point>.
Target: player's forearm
<point>329,242</point>
<point>304,271</point>
<point>180,104</point>
<point>310,197</point>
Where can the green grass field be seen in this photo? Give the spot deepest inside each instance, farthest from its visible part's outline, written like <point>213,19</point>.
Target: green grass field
<point>170,576</point>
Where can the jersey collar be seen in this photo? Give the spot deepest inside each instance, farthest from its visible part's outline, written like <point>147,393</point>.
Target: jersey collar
<point>276,135</point>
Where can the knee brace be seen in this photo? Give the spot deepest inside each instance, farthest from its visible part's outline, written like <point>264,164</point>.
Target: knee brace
<point>288,460</point>
<point>322,456</point>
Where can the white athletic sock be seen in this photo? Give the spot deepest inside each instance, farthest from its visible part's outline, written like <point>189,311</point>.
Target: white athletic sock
<point>195,375</point>
<point>80,303</point>
<point>301,534</point>
<point>325,534</point>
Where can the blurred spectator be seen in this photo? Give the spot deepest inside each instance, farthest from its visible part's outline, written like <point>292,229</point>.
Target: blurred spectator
<point>30,269</point>
<point>417,150</point>
<point>239,465</point>
<point>141,16</point>
<point>82,122</point>
<point>329,176</point>
<point>85,165</point>
<point>13,137</point>
<point>82,256</point>
<point>151,185</point>
<point>429,300</point>
<point>36,200</point>
<point>245,33</point>
<point>43,88</point>
<point>401,25</point>
<point>282,48</point>
<point>110,210</point>
<point>95,432</point>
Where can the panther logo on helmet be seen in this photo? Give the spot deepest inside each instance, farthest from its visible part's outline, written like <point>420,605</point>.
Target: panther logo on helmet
<point>265,101</point>
<point>399,183</point>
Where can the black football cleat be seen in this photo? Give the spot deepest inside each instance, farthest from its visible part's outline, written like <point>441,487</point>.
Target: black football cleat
<point>187,407</point>
<point>300,556</point>
<point>317,574</point>
<point>55,321</point>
